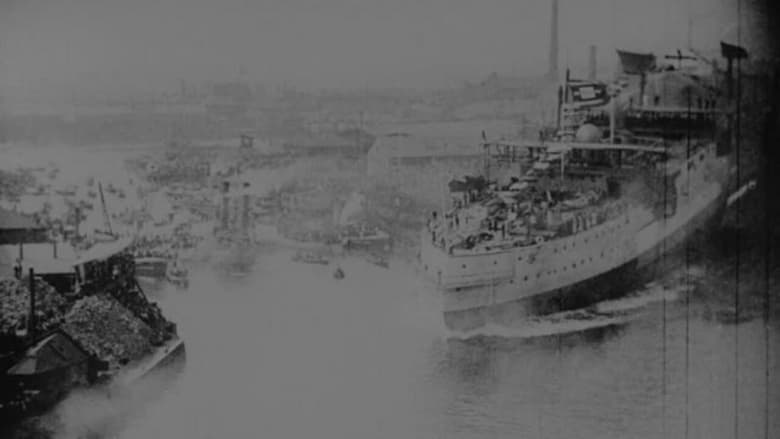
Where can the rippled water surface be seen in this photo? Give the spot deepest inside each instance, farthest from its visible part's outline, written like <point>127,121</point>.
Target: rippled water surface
<point>290,352</point>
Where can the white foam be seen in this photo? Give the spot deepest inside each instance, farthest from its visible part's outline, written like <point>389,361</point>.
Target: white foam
<point>604,314</point>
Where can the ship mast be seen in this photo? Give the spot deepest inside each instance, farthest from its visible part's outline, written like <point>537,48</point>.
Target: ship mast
<point>106,218</point>
<point>552,72</point>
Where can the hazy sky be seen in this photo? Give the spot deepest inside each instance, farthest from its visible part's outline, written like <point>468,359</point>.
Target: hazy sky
<point>78,45</point>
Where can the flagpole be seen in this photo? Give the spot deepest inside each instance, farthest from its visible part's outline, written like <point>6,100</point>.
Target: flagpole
<point>612,98</point>
<point>560,98</point>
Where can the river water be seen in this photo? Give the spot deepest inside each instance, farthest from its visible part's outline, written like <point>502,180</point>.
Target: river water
<point>291,352</point>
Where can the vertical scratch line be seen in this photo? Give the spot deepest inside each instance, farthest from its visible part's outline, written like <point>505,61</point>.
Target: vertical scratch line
<point>737,220</point>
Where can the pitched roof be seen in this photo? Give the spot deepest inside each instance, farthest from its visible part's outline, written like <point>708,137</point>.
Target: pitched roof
<point>52,352</point>
<point>103,250</point>
<point>13,220</point>
<point>38,256</point>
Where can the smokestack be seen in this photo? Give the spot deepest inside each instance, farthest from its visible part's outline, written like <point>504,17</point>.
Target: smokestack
<point>31,322</point>
<point>225,212</point>
<point>552,73</point>
<point>592,63</point>
<point>245,212</point>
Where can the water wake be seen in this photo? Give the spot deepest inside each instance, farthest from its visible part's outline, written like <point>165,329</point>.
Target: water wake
<point>599,316</point>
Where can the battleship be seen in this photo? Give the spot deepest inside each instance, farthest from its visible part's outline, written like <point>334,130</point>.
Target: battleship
<point>237,240</point>
<point>593,207</point>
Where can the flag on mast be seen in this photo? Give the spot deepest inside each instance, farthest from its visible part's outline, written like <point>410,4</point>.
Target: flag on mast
<point>633,63</point>
<point>732,51</point>
<point>586,94</point>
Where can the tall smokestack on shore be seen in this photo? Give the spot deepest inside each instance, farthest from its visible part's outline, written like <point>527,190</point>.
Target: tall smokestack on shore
<point>552,73</point>
<point>592,63</point>
<point>225,211</point>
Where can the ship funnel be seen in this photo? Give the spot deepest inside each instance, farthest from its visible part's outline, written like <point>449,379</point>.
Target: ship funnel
<point>592,63</point>
<point>225,212</point>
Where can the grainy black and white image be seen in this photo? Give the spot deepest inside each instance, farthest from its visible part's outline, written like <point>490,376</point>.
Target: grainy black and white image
<point>396,219</point>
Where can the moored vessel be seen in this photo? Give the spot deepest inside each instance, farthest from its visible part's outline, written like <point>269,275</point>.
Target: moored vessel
<point>109,338</point>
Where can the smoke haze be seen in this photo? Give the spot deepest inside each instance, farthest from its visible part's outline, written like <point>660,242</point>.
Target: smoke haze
<point>71,48</point>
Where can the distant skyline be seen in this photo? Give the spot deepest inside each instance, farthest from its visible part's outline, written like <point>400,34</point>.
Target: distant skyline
<point>61,48</point>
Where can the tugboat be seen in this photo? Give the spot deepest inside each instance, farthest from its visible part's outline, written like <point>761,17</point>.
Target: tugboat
<point>177,275</point>
<point>363,237</point>
<point>151,268</point>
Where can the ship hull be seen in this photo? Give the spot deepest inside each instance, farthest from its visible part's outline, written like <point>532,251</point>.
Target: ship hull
<point>615,283</point>
<point>151,268</point>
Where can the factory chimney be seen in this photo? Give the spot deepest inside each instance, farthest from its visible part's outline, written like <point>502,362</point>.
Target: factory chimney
<point>592,63</point>
<point>225,211</point>
<point>552,73</point>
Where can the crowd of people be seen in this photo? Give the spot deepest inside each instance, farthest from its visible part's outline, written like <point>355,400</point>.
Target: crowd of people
<point>168,247</point>
<point>548,208</point>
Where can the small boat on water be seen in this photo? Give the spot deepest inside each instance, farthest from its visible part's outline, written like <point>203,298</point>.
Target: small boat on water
<point>177,275</point>
<point>365,238</point>
<point>151,267</point>
<point>310,257</point>
<point>239,271</point>
<point>338,274</point>
<point>379,261</point>
<point>731,316</point>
